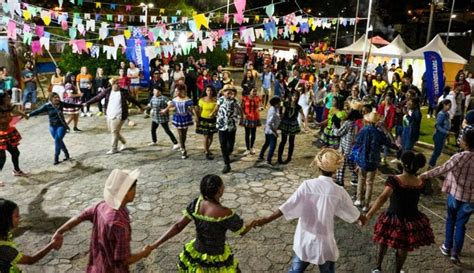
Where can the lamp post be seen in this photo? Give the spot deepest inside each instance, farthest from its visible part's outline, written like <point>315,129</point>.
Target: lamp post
<point>451,16</point>
<point>146,7</point>
<point>355,24</point>
<point>362,66</point>
<point>430,22</point>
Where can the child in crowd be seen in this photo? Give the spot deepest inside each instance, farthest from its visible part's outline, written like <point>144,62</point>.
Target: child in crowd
<point>271,127</point>
<point>157,103</point>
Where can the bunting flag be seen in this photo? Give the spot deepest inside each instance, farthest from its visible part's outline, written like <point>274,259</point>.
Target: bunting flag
<point>201,20</point>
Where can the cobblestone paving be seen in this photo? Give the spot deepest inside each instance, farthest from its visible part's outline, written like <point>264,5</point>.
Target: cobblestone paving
<point>52,194</point>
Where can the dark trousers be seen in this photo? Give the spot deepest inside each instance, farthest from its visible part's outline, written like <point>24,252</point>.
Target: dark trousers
<point>58,133</point>
<point>166,127</point>
<point>227,141</point>
<point>86,96</point>
<point>439,141</point>
<point>15,153</point>
<point>456,125</point>
<point>270,141</point>
<point>291,146</point>
<point>250,135</point>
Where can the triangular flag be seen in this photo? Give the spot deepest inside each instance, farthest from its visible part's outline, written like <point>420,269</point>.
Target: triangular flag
<point>269,10</point>
<point>201,20</point>
<point>98,5</point>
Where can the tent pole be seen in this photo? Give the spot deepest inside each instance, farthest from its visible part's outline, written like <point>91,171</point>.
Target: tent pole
<point>450,20</point>
<point>430,23</point>
<point>355,24</point>
<point>362,67</point>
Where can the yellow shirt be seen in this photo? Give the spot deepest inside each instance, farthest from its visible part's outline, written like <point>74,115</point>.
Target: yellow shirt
<point>400,72</point>
<point>397,86</point>
<point>206,108</point>
<point>379,86</point>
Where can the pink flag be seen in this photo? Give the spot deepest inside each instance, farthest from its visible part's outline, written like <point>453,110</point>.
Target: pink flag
<point>128,8</point>
<point>240,6</point>
<point>64,25</point>
<point>36,47</point>
<point>40,31</point>
<point>11,30</point>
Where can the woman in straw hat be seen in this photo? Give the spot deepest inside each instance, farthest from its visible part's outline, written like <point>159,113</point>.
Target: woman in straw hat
<point>111,231</point>
<point>369,143</point>
<point>311,245</point>
<point>209,251</point>
<point>347,132</point>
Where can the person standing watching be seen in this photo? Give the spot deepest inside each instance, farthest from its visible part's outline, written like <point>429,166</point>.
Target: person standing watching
<point>459,185</point>
<point>84,84</point>
<point>28,77</point>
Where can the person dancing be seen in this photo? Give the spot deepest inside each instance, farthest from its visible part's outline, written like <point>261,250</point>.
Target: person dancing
<point>251,106</point>
<point>205,120</point>
<point>289,126</point>
<point>9,136</point>
<point>72,95</point>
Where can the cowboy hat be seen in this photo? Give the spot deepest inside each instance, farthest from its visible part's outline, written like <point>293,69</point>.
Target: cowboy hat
<point>328,160</point>
<point>229,87</point>
<point>372,117</point>
<point>117,186</point>
<point>356,105</point>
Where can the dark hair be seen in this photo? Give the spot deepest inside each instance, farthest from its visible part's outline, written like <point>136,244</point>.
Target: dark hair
<point>213,91</point>
<point>210,185</point>
<point>275,101</point>
<point>416,101</point>
<point>68,78</point>
<point>325,173</point>
<point>52,95</point>
<point>6,210</point>
<point>412,162</point>
<point>446,91</point>
<point>181,87</point>
<point>397,77</point>
<point>368,107</point>
<point>354,115</point>
<point>339,102</point>
<point>441,105</point>
<point>468,138</point>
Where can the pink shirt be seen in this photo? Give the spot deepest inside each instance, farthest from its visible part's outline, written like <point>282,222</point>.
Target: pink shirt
<point>110,240</point>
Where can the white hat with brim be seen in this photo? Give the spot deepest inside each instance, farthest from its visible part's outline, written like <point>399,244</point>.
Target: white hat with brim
<point>117,186</point>
<point>372,117</point>
<point>328,160</point>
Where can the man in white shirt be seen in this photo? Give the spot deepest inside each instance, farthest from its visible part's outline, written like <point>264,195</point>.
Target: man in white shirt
<point>314,240</point>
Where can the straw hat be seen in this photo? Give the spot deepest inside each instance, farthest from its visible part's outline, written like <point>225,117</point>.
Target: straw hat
<point>328,160</point>
<point>229,87</point>
<point>356,105</point>
<point>372,117</point>
<point>117,186</point>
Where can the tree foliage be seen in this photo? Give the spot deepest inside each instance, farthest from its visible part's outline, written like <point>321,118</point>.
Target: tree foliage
<point>72,62</point>
<point>214,58</point>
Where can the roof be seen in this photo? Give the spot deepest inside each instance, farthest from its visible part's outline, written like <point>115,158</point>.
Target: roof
<point>377,40</point>
<point>357,48</point>
<point>437,45</point>
<point>396,48</point>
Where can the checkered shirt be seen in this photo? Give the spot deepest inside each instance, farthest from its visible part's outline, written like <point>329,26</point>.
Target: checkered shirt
<point>347,135</point>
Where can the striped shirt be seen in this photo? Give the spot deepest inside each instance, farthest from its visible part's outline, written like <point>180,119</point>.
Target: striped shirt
<point>459,181</point>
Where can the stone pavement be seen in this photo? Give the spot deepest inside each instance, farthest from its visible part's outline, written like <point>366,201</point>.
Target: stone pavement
<point>52,194</point>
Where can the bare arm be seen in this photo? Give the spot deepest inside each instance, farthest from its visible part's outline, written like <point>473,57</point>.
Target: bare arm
<point>387,192</point>
<point>172,231</point>
<point>146,250</point>
<point>26,259</point>
<point>265,220</point>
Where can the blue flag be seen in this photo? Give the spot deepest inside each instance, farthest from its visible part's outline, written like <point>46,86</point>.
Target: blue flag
<point>434,76</point>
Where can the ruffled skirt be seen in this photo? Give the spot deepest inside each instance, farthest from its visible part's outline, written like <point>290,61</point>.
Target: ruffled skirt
<point>9,137</point>
<point>182,121</point>
<point>289,127</point>
<point>192,261</point>
<point>328,139</point>
<point>403,233</point>
<point>248,123</point>
<point>206,126</point>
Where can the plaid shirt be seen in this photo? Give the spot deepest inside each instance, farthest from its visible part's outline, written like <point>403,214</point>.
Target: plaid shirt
<point>459,181</point>
<point>110,240</point>
<point>347,134</point>
<point>157,104</point>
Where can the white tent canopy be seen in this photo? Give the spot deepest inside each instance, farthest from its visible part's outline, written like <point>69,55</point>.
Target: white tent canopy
<point>438,46</point>
<point>396,48</point>
<point>357,48</point>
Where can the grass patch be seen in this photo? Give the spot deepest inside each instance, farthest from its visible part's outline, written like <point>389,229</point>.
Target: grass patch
<point>427,130</point>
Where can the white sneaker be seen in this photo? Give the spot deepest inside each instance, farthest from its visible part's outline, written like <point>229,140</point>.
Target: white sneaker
<point>365,209</point>
<point>175,147</point>
<point>152,144</point>
<point>89,114</point>
<point>252,151</point>
<point>83,115</point>
<point>247,152</point>
<point>122,147</point>
<point>376,271</point>
<point>357,203</point>
<point>111,152</point>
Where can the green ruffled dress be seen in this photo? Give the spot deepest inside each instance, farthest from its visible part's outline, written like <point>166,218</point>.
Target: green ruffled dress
<point>9,256</point>
<point>209,252</point>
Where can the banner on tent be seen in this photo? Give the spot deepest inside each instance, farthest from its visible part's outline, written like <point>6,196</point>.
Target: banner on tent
<point>136,52</point>
<point>434,76</point>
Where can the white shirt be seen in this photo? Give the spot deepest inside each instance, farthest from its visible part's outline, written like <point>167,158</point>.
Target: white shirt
<point>315,203</point>
<point>133,73</point>
<point>450,97</point>
<point>114,108</point>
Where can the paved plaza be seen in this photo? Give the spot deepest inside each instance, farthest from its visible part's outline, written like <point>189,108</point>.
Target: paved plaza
<point>52,194</point>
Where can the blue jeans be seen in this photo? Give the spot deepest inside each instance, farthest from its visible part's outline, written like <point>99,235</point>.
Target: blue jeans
<point>58,133</point>
<point>270,140</point>
<point>299,266</point>
<point>458,216</point>
<point>29,93</point>
<point>439,140</point>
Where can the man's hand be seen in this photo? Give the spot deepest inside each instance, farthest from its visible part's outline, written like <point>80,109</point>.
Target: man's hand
<point>363,220</point>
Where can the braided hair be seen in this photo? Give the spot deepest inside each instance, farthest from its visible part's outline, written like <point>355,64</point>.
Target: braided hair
<point>412,162</point>
<point>6,211</point>
<point>210,185</point>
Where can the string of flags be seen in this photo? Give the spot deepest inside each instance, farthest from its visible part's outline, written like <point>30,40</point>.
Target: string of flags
<point>157,39</point>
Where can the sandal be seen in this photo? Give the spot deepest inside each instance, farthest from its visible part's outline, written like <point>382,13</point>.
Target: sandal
<point>19,173</point>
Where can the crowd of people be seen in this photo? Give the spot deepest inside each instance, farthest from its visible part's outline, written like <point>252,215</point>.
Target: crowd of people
<point>357,126</point>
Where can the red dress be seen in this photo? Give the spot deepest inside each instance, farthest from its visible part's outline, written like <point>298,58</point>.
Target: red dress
<point>250,108</point>
<point>402,225</point>
<point>8,133</point>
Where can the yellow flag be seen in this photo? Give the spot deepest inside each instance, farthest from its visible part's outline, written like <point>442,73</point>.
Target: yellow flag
<point>310,21</point>
<point>127,33</point>
<point>162,11</point>
<point>89,44</point>
<point>26,14</point>
<point>46,19</point>
<point>98,5</point>
<point>201,20</point>
<point>257,17</point>
<point>157,44</point>
<point>194,12</point>
<point>292,28</point>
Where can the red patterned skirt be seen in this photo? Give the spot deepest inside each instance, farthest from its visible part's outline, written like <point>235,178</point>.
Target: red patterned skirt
<point>10,136</point>
<point>403,233</point>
